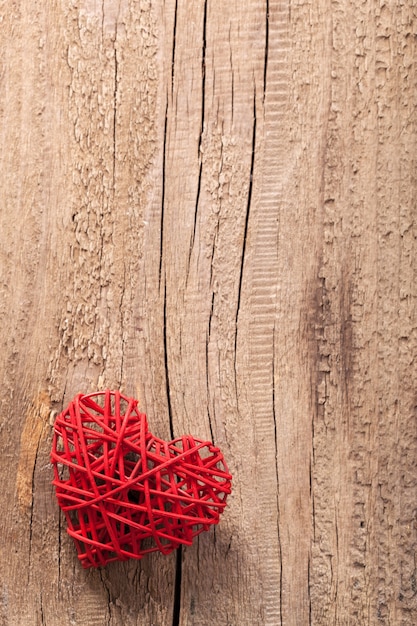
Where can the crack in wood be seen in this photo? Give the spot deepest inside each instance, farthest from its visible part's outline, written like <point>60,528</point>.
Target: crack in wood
<point>266,53</point>
<point>166,364</point>
<point>246,226</point>
<point>200,137</point>
<point>274,416</point>
<point>174,41</point>
<point>163,184</point>
<point>176,613</point>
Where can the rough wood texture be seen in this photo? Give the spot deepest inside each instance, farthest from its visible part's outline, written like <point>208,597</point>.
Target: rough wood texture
<point>211,205</point>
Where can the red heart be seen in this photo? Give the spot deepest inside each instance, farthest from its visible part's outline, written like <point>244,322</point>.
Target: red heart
<point>126,493</point>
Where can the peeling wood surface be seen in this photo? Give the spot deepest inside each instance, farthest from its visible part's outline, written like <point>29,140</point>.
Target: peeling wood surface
<point>212,206</point>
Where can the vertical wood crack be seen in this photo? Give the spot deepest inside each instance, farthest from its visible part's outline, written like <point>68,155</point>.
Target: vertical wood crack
<point>41,609</point>
<point>164,159</point>
<point>248,208</point>
<point>274,416</point>
<point>115,95</point>
<point>174,41</point>
<point>32,505</point>
<point>167,385</point>
<point>109,597</point>
<point>200,139</point>
<point>266,46</point>
<point>176,613</point>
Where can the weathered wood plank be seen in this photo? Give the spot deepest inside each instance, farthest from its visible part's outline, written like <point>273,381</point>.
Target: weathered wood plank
<point>212,206</point>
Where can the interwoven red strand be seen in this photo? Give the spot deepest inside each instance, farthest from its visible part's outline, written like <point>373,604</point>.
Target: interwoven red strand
<point>126,493</point>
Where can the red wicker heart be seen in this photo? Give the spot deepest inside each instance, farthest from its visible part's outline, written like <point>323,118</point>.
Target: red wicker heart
<point>126,493</point>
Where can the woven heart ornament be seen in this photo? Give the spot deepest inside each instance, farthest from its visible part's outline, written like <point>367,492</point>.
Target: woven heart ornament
<point>126,493</point>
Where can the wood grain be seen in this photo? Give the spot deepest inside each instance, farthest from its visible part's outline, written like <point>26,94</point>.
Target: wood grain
<point>212,206</point>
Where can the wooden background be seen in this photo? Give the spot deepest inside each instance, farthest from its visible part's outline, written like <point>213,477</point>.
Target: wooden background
<point>211,206</point>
